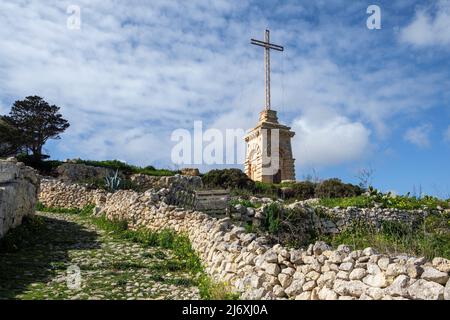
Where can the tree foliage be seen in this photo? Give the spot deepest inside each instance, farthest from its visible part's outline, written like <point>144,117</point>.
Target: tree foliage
<point>11,139</point>
<point>37,121</point>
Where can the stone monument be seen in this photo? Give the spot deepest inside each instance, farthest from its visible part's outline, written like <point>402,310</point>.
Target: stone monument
<point>268,145</point>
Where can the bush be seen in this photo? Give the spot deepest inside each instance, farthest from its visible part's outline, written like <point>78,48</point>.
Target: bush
<point>46,167</point>
<point>273,218</point>
<point>127,169</point>
<point>335,188</point>
<point>299,190</point>
<point>228,179</point>
<point>266,189</point>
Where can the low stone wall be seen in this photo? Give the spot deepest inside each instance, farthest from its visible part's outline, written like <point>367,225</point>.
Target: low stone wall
<point>59,194</point>
<point>73,172</point>
<point>260,271</point>
<point>18,193</point>
<point>312,218</point>
<point>144,181</point>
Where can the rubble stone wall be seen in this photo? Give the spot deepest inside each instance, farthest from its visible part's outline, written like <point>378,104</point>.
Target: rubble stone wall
<point>261,271</point>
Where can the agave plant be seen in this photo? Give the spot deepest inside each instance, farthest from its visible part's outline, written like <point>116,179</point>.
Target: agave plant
<point>113,182</point>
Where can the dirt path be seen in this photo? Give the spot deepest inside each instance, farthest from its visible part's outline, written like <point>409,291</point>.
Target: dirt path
<point>110,268</point>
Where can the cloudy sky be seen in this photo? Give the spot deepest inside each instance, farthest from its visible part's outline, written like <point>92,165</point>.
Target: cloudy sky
<point>136,71</point>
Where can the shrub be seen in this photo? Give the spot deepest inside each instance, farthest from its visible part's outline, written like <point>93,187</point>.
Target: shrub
<point>335,188</point>
<point>273,218</point>
<point>302,190</point>
<point>46,167</point>
<point>228,179</point>
<point>266,189</point>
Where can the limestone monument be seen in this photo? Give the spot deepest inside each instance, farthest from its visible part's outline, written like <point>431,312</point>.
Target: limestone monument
<point>268,144</point>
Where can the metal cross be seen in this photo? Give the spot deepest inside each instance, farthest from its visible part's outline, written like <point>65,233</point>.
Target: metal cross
<point>267,46</point>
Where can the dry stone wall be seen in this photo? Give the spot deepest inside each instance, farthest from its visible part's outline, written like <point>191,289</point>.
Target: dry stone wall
<point>323,220</point>
<point>18,193</point>
<point>260,271</point>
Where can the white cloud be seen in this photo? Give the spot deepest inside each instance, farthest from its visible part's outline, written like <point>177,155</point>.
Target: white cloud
<point>447,134</point>
<point>132,74</point>
<point>330,141</point>
<point>427,30</point>
<point>419,135</point>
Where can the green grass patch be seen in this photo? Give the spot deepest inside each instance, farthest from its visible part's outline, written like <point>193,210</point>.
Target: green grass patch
<point>245,203</point>
<point>398,202</point>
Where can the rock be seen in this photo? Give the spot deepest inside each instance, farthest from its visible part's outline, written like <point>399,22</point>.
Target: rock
<point>383,263</point>
<point>312,275</point>
<point>296,256</point>
<point>395,269</point>
<point>314,294</point>
<point>320,247</point>
<point>304,296</point>
<point>289,271</point>
<point>399,286</point>
<point>432,274</point>
<point>426,290</point>
<point>344,248</point>
<point>441,264</point>
<point>308,286</point>
<point>447,290</point>
<point>250,212</point>
<point>414,271</point>
<point>272,268</point>
<point>357,274</point>
<point>285,280</point>
<point>373,268</point>
<point>278,291</point>
<point>256,294</point>
<point>346,266</point>
<point>327,294</point>
<point>327,279</point>
<point>256,281</point>
<point>376,280</point>
<point>352,288</point>
<point>271,257</point>
<point>344,275</point>
<point>73,172</point>
<point>375,293</point>
<point>335,257</point>
<point>369,251</point>
<point>295,288</point>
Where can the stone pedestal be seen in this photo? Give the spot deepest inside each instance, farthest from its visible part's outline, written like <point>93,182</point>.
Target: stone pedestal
<point>269,152</point>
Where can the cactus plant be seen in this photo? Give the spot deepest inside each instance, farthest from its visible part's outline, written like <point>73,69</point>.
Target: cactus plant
<point>113,182</point>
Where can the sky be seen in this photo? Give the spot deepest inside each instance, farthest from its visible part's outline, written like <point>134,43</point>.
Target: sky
<point>135,71</point>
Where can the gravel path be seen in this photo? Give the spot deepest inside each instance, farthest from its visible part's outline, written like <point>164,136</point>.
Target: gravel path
<point>110,268</point>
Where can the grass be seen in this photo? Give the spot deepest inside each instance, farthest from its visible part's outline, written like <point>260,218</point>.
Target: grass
<point>430,239</point>
<point>399,202</point>
<point>185,258</point>
<point>245,203</point>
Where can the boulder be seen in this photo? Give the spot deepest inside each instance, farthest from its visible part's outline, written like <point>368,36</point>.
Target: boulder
<point>432,274</point>
<point>426,290</point>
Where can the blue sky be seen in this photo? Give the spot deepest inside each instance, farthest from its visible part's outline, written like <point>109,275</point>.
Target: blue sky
<point>137,70</point>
